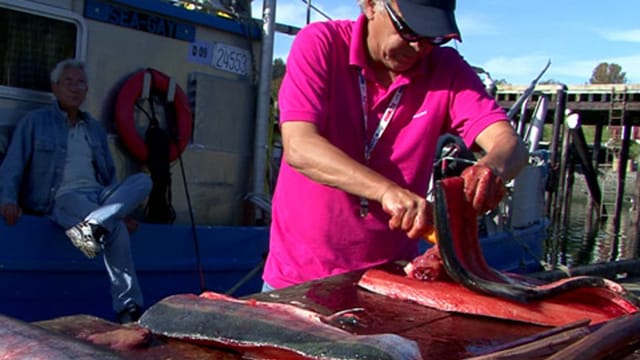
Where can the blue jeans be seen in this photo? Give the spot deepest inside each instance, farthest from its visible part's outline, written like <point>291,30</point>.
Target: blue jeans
<point>266,287</point>
<point>108,207</point>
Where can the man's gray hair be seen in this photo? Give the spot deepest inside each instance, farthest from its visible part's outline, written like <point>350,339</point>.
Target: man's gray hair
<point>66,64</point>
<point>378,4</point>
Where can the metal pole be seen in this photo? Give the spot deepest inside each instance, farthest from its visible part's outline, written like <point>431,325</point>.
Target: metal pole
<point>580,146</point>
<point>566,211</point>
<point>595,212</point>
<point>597,144</point>
<point>634,236</point>
<point>562,177</point>
<point>556,137</point>
<point>559,200</point>
<point>263,102</point>
<point>622,174</point>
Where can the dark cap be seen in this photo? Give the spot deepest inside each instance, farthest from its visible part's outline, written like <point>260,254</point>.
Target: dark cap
<point>432,18</point>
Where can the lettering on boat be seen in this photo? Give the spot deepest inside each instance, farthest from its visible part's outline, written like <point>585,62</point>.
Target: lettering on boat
<point>139,20</point>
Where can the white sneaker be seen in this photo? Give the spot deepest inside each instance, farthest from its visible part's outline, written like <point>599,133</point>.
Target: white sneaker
<point>87,237</point>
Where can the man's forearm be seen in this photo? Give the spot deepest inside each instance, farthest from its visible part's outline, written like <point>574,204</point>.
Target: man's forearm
<point>506,154</point>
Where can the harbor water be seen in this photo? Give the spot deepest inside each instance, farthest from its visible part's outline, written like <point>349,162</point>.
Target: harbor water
<point>575,243</point>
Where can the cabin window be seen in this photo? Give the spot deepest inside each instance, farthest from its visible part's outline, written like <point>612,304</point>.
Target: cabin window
<point>30,46</point>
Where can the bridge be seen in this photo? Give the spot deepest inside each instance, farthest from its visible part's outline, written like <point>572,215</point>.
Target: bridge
<point>614,107</point>
<point>601,104</point>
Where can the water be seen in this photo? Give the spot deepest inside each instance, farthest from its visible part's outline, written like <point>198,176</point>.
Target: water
<point>573,245</point>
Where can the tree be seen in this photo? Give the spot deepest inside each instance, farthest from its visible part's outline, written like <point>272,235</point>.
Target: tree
<point>279,68</point>
<point>277,73</point>
<point>606,73</point>
<point>275,143</point>
<point>550,82</point>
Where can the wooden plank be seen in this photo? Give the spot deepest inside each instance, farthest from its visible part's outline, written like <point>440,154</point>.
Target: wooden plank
<point>540,345</point>
<point>621,335</point>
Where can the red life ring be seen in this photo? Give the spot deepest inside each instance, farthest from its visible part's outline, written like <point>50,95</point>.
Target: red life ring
<point>125,121</point>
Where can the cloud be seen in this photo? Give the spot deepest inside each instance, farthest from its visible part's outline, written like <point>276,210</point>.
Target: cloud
<point>573,72</point>
<point>630,65</point>
<point>476,25</point>
<point>584,68</point>
<point>516,70</point>
<point>632,35</point>
<point>522,69</point>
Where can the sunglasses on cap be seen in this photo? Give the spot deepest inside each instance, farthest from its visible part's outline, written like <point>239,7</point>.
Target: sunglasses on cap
<point>405,31</point>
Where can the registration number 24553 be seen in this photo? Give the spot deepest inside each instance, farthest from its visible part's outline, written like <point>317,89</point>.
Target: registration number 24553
<point>231,58</point>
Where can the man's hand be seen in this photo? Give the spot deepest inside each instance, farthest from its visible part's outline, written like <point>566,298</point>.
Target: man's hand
<point>409,212</point>
<point>482,188</point>
<point>11,213</point>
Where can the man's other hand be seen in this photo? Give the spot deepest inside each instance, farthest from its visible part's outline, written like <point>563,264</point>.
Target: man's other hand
<point>482,188</point>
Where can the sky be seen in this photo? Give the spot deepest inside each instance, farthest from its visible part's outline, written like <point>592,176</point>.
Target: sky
<point>514,39</point>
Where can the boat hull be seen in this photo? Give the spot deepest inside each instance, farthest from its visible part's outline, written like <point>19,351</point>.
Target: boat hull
<point>43,276</point>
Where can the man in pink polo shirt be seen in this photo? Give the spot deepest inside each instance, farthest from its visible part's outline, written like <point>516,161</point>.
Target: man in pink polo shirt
<point>361,108</point>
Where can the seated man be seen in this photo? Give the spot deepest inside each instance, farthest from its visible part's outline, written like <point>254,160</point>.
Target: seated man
<point>59,164</point>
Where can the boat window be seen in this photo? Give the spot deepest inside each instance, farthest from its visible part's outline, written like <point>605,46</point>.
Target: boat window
<point>30,45</point>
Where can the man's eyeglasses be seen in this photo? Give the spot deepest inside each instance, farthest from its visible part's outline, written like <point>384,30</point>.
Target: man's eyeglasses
<point>405,31</point>
<point>69,84</point>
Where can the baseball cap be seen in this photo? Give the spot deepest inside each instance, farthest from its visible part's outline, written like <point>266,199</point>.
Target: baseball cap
<point>431,18</point>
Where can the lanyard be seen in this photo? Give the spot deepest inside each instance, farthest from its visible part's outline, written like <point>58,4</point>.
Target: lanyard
<point>384,121</point>
<point>382,126</point>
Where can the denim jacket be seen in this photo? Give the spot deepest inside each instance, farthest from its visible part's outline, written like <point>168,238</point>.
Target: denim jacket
<point>32,169</point>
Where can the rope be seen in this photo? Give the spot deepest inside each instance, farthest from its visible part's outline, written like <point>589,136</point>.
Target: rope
<point>159,209</point>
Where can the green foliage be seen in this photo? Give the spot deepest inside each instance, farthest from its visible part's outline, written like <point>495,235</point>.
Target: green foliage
<point>277,73</point>
<point>606,73</point>
<point>274,140</point>
<point>589,134</point>
<point>279,68</point>
<point>550,82</point>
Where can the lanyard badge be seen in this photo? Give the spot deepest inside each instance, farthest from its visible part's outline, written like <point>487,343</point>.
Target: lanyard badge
<point>382,126</point>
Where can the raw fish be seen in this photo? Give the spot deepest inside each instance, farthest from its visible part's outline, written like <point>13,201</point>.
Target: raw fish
<point>20,340</point>
<point>264,330</point>
<point>472,287</point>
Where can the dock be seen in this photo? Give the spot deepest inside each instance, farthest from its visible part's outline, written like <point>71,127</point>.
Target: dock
<point>594,102</point>
<point>613,110</point>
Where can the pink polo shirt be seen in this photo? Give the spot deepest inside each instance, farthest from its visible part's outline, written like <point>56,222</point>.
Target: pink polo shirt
<point>316,230</point>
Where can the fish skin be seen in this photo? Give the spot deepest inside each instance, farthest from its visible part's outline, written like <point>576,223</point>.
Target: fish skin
<point>466,266</point>
<point>20,340</point>
<point>464,261</point>
<point>271,330</point>
<point>478,289</point>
